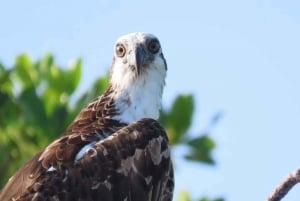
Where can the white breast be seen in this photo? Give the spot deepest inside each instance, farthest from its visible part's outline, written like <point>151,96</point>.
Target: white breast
<point>141,98</point>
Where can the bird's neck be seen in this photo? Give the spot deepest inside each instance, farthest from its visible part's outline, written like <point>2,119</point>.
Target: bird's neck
<point>122,104</point>
<point>138,100</point>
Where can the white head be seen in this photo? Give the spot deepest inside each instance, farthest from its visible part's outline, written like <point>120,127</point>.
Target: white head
<point>138,77</point>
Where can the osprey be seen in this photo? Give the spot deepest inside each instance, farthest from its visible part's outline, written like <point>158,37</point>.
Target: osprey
<point>114,150</point>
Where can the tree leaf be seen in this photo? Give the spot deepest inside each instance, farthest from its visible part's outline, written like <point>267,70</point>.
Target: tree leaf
<point>33,108</point>
<point>73,75</point>
<point>24,71</point>
<point>58,120</point>
<point>179,118</point>
<point>5,82</point>
<point>44,64</point>
<point>183,196</point>
<point>200,149</point>
<point>208,199</point>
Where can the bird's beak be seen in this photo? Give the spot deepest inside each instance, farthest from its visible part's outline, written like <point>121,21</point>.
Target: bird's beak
<point>138,58</point>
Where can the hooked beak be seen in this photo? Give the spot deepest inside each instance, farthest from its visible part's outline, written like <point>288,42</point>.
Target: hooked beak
<point>137,59</point>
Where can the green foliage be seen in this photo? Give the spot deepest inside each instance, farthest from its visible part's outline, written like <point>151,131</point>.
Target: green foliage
<point>184,196</point>
<point>37,103</point>
<point>177,121</point>
<point>200,149</point>
<point>35,106</point>
<point>208,199</point>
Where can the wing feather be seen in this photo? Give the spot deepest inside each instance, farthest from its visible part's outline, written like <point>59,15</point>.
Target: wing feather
<point>132,164</point>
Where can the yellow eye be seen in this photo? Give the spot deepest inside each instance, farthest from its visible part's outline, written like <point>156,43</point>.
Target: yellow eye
<point>120,50</point>
<point>154,46</point>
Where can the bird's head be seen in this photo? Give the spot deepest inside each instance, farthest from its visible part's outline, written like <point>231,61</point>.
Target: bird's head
<point>138,76</point>
<point>137,55</point>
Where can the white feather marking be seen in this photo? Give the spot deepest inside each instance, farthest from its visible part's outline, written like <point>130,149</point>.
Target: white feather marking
<point>107,185</point>
<point>66,176</point>
<point>35,196</point>
<point>92,152</point>
<point>126,166</point>
<point>138,153</point>
<point>95,185</point>
<point>154,147</point>
<point>55,198</point>
<point>83,150</point>
<point>105,152</point>
<point>148,179</point>
<point>166,153</point>
<point>51,169</point>
<point>11,178</point>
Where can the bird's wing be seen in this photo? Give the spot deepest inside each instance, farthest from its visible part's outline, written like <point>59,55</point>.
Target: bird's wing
<point>132,164</point>
<point>59,154</point>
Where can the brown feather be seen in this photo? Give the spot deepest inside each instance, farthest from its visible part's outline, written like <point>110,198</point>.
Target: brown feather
<point>116,168</point>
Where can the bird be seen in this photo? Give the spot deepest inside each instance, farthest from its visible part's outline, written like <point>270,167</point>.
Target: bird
<point>115,149</point>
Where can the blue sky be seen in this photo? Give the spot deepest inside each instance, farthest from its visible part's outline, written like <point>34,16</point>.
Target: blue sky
<point>241,57</point>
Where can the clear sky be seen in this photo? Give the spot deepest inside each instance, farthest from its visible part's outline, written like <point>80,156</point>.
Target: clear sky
<point>241,57</point>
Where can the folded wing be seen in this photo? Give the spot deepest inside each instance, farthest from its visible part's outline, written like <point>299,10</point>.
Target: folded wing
<point>132,164</point>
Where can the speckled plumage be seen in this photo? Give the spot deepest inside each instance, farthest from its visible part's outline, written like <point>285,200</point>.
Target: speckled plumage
<point>114,150</point>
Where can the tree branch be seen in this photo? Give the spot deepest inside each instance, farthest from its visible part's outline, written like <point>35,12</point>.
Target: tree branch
<point>285,186</point>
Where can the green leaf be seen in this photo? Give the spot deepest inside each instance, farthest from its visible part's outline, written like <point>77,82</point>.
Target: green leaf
<point>33,108</point>
<point>201,149</point>
<point>73,75</point>
<point>5,81</point>
<point>62,81</point>
<point>100,85</point>
<point>8,109</point>
<point>58,120</point>
<point>97,88</point>
<point>50,99</point>
<point>183,196</point>
<point>208,199</point>
<point>45,63</point>
<point>43,67</point>
<point>68,79</point>
<point>55,79</point>
<point>24,71</point>
<point>180,117</point>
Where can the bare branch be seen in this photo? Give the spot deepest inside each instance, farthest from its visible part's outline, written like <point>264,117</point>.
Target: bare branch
<point>285,186</point>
